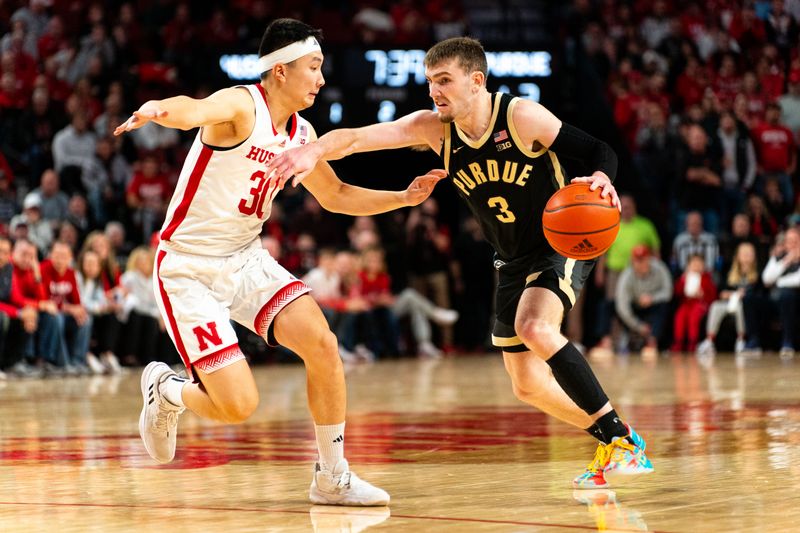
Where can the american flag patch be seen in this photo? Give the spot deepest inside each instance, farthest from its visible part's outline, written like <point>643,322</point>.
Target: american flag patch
<point>501,135</point>
<point>303,130</point>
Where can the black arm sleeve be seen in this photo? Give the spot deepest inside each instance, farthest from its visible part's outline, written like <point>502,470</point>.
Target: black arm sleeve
<point>576,143</point>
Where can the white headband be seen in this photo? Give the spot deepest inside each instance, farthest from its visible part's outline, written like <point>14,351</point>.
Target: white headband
<point>288,53</point>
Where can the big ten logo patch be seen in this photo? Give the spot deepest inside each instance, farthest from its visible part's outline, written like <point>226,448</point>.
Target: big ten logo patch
<point>207,334</point>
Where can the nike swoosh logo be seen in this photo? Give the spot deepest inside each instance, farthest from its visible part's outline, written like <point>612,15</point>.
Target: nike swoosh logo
<point>457,149</point>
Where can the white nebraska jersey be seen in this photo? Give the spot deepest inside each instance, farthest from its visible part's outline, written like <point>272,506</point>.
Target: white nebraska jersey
<point>223,195</point>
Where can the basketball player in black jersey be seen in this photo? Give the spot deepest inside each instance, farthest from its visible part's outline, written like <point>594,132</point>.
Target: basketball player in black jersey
<point>501,155</point>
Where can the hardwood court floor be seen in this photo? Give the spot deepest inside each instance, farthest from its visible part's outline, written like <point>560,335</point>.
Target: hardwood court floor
<point>447,439</point>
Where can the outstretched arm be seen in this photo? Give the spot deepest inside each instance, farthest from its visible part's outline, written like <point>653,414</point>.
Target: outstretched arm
<point>182,112</point>
<point>418,128</point>
<point>339,197</point>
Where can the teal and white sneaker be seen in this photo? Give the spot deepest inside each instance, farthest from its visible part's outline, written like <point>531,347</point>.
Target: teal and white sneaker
<point>592,477</point>
<point>626,457</point>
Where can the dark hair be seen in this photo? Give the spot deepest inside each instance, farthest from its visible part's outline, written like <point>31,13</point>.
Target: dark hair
<point>282,32</point>
<point>469,52</point>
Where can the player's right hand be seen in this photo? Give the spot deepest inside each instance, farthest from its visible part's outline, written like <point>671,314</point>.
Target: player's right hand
<point>149,111</point>
<point>294,164</point>
<point>422,186</point>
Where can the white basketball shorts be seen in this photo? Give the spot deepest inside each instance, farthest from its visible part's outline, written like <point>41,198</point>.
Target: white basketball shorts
<point>199,295</point>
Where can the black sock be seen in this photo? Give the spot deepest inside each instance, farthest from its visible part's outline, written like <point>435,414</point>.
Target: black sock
<point>611,426</point>
<point>575,376</point>
<point>595,432</point>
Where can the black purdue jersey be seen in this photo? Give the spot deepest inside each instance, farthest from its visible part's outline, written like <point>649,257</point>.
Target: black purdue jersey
<point>505,183</point>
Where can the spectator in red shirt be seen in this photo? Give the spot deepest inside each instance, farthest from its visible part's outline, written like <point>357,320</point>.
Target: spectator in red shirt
<point>629,107</point>
<point>775,151</point>
<point>770,74</point>
<point>17,318</point>
<point>692,83</point>
<point>727,83</point>
<point>694,290</point>
<point>61,287</point>
<point>746,28</point>
<point>53,39</point>
<point>45,347</point>
<point>147,196</point>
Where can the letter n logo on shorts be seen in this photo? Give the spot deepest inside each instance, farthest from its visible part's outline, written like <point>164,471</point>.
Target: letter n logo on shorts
<point>204,335</point>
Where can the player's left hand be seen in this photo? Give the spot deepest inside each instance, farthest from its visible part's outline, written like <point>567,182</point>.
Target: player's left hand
<point>422,186</point>
<point>599,179</point>
<point>293,164</point>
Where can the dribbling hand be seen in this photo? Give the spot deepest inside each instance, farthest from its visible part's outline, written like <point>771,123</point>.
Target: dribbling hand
<point>149,111</point>
<point>422,186</point>
<point>597,180</point>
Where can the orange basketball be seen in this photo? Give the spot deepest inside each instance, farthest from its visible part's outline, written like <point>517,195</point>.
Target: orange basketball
<point>579,223</point>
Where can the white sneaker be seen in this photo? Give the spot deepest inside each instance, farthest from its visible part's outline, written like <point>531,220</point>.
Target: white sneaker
<point>364,353</point>
<point>110,361</point>
<point>94,364</point>
<point>786,353</point>
<point>740,346</point>
<point>158,423</point>
<point>428,350</point>
<point>444,317</point>
<point>342,487</point>
<point>706,348</point>
<point>346,355</point>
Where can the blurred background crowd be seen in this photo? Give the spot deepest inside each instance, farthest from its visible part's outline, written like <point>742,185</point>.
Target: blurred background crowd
<point>700,100</point>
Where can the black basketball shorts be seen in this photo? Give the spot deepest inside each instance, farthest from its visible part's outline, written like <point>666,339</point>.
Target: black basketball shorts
<point>564,277</point>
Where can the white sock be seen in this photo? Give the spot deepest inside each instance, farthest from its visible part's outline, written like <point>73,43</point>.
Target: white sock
<point>330,443</point>
<point>172,390</point>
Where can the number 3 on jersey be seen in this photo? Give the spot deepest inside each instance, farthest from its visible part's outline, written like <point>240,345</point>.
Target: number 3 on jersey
<point>500,203</point>
<point>258,194</point>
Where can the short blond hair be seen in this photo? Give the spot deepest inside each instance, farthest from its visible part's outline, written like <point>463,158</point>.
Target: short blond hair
<point>469,52</point>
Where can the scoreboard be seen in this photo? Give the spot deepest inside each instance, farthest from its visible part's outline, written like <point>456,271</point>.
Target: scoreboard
<point>379,85</point>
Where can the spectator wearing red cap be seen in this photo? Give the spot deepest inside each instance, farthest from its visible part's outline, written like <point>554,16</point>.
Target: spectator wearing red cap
<point>634,231</point>
<point>642,298</point>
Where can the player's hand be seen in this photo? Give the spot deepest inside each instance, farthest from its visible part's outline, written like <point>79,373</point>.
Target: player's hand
<point>598,180</point>
<point>294,164</point>
<point>149,111</point>
<point>422,186</point>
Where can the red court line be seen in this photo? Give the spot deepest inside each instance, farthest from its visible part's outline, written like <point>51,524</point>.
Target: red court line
<point>298,511</point>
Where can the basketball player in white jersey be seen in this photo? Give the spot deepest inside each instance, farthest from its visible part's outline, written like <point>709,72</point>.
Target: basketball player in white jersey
<point>210,267</point>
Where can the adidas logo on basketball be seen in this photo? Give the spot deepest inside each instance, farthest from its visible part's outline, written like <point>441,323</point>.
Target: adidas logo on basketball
<point>583,247</point>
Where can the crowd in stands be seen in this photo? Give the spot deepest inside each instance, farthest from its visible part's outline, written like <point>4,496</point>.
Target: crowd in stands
<point>79,208</point>
<point>707,98</point>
